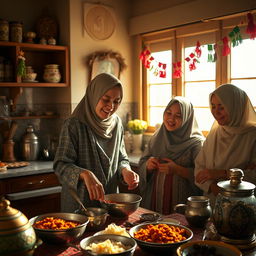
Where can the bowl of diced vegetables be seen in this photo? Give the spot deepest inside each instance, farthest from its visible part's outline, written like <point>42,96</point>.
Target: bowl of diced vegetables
<point>160,237</point>
<point>59,227</point>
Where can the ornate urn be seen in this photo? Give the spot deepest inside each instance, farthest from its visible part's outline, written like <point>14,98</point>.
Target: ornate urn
<point>17,236</point>
<point>234,214</point>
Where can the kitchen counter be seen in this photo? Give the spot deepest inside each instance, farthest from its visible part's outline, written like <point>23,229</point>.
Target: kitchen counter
<point>34,167</point>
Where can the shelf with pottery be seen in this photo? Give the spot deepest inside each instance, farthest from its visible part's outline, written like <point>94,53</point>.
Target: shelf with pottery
<point>37,56</point>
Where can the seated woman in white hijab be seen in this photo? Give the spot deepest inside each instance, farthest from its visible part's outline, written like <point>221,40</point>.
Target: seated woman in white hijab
<point>166,168</point>
<point>91,156</point>
<point>231,142</point>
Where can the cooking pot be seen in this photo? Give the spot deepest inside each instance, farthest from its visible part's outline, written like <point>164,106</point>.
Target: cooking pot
<point>234,213</point>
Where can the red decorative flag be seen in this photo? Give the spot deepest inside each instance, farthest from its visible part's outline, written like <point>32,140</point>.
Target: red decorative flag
<point>226,49</point>
<point>162,70</point>
<point>251,27</point>
<point>177,73</point>
<point>198,50</point>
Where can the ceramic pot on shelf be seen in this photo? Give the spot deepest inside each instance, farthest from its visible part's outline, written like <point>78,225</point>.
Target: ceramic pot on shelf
<point>52,73</point>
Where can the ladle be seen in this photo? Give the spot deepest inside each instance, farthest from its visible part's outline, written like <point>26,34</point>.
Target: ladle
<point>76,197</point>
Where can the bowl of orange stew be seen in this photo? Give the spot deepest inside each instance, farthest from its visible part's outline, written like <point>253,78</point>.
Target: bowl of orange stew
<point>59,227</point>
<point>160,237</point>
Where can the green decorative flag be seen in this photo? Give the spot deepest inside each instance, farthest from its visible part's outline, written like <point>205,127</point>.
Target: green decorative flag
<point>235,36</point>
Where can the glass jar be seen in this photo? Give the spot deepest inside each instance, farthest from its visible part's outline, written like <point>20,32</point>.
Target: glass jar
<point>52,73</point>
<point>16,31</point>
<point>4,30</point>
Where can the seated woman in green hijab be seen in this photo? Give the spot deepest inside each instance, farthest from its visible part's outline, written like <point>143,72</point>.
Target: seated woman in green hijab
<point>91,156</point>
<point>166,168</point>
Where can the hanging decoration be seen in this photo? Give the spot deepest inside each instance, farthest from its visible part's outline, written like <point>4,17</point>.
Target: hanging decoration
<point>226,49</point>
<point>251,27</point>
<point>177,72</point>
<point>235,36</point>
<point>159,68</point>
<point>212,55</point>
<point>21,68</point>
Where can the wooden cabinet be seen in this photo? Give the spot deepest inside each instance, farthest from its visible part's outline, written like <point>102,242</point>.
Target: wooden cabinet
<point>37,56</point>
<point>32,194</point>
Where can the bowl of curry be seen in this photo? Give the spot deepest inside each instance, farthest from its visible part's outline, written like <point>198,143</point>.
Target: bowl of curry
<point>59,227</point>
<point>160,237</point>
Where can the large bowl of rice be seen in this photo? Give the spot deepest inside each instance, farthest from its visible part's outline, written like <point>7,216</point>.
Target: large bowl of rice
<point>108,244</point>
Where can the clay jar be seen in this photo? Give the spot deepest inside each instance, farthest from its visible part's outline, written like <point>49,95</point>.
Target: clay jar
<point>52,73</point>
<point>17,235</point>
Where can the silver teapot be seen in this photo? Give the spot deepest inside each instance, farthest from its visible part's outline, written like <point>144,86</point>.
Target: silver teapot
<point>197,210</point>
<point>234,213</point>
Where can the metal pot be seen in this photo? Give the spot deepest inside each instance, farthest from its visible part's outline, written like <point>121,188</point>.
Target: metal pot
<point>197,210</point>
<point>30,145</point>
<point>234,214</point>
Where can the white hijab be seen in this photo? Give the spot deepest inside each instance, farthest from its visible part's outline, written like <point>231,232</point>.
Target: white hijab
<point>229,146</point>
<point>85,110</point>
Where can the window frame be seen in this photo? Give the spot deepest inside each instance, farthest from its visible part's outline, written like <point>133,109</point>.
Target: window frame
<point>219,26</point>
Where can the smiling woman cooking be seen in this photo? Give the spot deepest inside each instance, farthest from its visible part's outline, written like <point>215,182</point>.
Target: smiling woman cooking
<point>91,156</point>
<point>231,142</point>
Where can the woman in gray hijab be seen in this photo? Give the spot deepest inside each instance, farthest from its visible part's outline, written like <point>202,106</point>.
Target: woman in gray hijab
<point>91,156</point>
<point>166,168</point>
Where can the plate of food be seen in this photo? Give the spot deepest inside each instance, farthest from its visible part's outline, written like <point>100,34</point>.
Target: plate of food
<point>113,229</point>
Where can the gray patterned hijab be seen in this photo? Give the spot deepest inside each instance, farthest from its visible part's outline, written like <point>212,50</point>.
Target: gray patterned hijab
<point>173,144</point>
<point>85,110</point>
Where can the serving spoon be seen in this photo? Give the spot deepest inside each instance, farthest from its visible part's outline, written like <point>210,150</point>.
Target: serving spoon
<point>74,194</point>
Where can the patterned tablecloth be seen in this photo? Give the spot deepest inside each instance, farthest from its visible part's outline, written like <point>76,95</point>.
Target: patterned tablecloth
<point>61,250</point>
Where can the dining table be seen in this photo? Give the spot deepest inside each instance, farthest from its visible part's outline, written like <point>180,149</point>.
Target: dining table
<point>48,249</point>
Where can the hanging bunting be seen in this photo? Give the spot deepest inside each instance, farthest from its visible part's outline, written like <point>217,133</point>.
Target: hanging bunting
<point>226,49</point>
<point>251,27</point>
<point>159,68</point>
<point>235,36</point>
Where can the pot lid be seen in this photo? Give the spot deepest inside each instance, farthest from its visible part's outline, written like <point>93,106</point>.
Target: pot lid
<point>235,184</point>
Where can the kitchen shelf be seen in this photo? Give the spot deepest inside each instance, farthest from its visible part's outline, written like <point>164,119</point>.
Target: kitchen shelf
<point>29,117</point>
<point>37,56</point>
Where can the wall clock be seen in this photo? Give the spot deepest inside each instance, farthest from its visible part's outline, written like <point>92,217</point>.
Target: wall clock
<point>47,27</point>
<point>99,21</point>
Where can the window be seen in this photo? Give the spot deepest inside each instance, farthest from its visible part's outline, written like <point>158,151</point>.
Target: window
<point>237,68</point>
